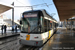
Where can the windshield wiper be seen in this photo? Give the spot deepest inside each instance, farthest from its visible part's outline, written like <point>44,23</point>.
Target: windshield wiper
<point>27,21</point>
<point>34,29</point>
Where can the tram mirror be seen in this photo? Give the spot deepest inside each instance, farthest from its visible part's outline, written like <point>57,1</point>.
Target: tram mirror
<point>20,22</point>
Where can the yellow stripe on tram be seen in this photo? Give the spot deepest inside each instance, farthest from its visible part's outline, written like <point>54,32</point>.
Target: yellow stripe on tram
<point>49,34</point>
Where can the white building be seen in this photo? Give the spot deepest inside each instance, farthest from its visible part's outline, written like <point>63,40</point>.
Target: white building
<point>5,21</point>
<point>4,7</point>
<point>2,18</point>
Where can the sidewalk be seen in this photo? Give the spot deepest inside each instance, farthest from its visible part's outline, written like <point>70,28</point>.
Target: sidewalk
<point>62,40</point>
<point>8,34</point>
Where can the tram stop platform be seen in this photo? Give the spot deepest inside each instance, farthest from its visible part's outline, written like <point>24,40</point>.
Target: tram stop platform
<point>63,39</point>
<point>8,34</point>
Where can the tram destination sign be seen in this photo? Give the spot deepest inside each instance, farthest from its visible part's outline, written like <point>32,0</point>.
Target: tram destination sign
<point>30,15</point>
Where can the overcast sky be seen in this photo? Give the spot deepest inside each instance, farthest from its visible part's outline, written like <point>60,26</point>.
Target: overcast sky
<point>17,11</point>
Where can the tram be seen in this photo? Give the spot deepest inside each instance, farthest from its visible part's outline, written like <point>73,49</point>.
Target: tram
<point>37,27</point>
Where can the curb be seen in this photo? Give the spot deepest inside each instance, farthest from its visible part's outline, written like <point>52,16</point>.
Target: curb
<point>4,37</point>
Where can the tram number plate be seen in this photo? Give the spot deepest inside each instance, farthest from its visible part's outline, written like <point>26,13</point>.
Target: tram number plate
<point>27,37</point>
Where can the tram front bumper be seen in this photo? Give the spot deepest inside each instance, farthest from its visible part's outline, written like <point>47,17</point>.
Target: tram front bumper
<point>31,42</point>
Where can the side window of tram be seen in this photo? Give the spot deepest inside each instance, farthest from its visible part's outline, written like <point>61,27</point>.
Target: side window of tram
<point>50,24</point>
<point>45,25</point>
<point>42,25</point>
<point>55,25</point>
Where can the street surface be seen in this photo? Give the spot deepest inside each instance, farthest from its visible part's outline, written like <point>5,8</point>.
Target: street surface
<point>62,40</point>
<point>13,44</point>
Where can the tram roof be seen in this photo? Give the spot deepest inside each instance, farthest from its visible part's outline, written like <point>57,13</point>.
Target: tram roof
<point>65,8</point>
<point>43,11</point>
<point>4,7</point>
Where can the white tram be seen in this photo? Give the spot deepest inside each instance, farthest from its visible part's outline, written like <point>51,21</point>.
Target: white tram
<point>37,27</point>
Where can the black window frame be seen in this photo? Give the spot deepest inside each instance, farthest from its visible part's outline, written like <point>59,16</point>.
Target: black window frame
<point>38,15</point>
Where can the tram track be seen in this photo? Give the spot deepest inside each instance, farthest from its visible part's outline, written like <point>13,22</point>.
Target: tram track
<point>34,48</point>
<point>6,41</point>
<point>31,48</point>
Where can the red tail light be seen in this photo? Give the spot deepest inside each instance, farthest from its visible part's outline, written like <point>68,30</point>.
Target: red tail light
<point>19,40</point>
<point>36,42</point>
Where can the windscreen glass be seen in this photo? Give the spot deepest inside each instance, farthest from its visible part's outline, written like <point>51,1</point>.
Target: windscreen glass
<point>30,23</point>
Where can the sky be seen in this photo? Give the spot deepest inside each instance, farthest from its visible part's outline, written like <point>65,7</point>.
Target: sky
<point>19,10</point>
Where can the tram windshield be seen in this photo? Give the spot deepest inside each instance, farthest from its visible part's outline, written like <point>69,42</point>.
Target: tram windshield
<point>30,23</point>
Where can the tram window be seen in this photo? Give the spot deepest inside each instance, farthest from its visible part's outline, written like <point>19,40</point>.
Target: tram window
<point>42,24</point>
<point>55,25</point>
<point>33,22</point>
<point>45,25</point>
<point>50,24</point>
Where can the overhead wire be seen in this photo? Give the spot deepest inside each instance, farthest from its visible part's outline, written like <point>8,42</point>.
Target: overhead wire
<point>47,5</point>
<point>20,2</point>
<point>32,5</point>
<point>43,4</point>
